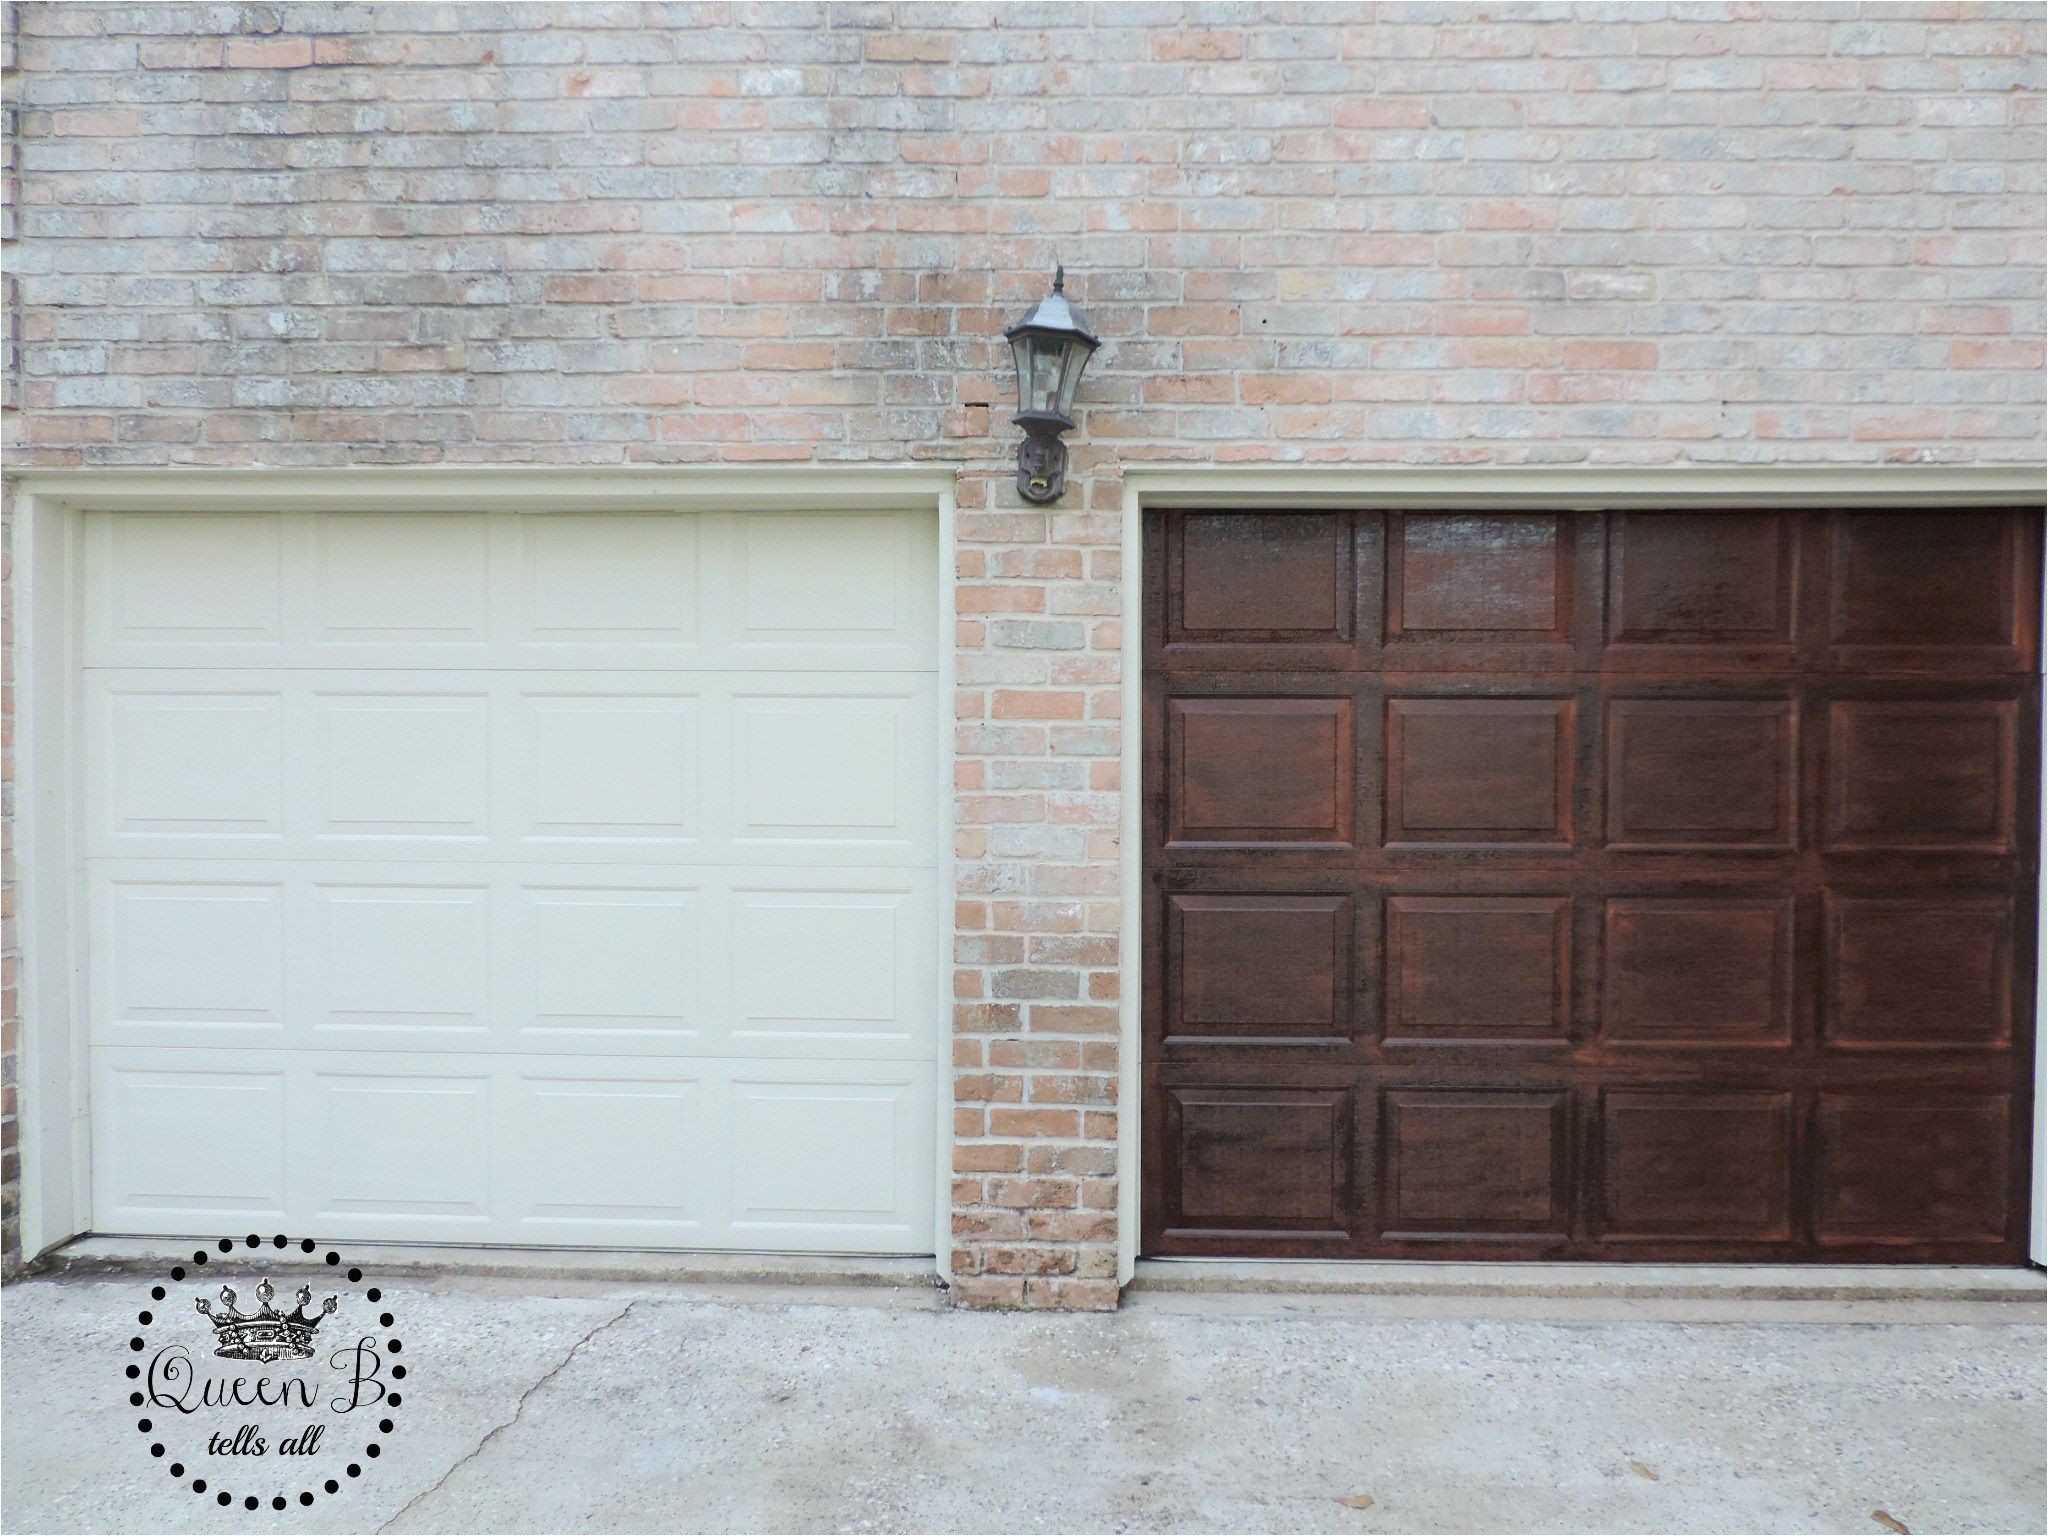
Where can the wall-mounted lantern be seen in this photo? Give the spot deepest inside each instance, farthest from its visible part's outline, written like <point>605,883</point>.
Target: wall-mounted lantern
<point>1051,347</point>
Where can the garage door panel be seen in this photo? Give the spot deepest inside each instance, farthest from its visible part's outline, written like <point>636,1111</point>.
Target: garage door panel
<point>402,1146</point>
<point>180,1145</point>
<point>775,767</point>
<point>835,963</point>
<point>395,764</point>
<point>1217,948</point>
<point>818,1151</point>
<point>606,966</point>
<point>1678,1162</point>
<point>414,1145</point>
<point>189,959</point>
<point>1480,771</point>
<point>778,796</point>
<point>1469,968</point>
<point>1698,970</point>
<point>410,958</point>
<point>177,767</point>
<point>517,878</point>
<point>599,1157</point>
<point>1719,583</point>
<point>1485,591</point>
<point>1932,971</point>
<point>819,964</point>
<point>1911,1168</point>
<point>830,966</point>
<point>1249,1156</point>
<point>611,768</point>
<point>383,580</point>
<point>1481,1164</point>
<point>1931,591</point>
<point>1694,884</point>
<point>1702,774</point>
<point>853,592</point>
<point>1922,774</point>
<point>838,592</point>
<point>609,590</point>
<point>1495,577</point>
<point>211,586</point>
<point>1290,587</point>
<point>1261,770</point>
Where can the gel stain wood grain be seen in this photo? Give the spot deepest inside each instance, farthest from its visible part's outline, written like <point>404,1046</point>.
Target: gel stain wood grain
<point>1577,885</point>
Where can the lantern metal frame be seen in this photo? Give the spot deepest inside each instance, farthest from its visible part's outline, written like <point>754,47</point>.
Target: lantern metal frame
<point>1050,348</point>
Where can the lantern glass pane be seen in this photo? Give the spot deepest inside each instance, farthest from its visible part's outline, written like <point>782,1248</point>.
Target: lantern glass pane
<point>1045,374</point>
<point>1020,354</point>
<point>1075,359</point>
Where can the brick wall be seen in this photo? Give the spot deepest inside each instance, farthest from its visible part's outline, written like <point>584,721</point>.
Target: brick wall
<point>10,386</point>
<point>348,233</point>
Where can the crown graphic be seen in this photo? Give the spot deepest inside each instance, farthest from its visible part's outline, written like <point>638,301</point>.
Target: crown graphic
<point>265,1334</point>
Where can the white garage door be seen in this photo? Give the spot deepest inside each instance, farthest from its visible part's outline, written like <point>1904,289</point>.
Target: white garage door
<point>488,877</point>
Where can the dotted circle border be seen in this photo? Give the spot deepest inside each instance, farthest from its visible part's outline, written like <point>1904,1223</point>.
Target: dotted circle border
<point>251,1502</point>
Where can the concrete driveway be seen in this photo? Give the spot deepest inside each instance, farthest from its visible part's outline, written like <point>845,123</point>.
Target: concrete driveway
<point>554,1405</point>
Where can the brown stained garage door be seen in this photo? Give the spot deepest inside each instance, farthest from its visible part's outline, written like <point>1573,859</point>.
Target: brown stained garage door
<point>1646,885</point>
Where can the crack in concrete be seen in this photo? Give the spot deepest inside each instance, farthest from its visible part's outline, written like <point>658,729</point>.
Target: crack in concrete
<point>518,1412</point>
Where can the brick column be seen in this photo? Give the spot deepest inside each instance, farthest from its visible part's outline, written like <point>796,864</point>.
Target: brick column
<point>1039,661</point>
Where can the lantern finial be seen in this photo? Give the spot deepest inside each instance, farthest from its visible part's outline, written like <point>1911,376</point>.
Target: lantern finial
<point>1059,277</point>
